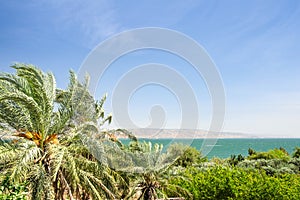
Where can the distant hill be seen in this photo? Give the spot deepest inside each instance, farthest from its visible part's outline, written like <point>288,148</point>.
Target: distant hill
<point>185,133</point>
<point>173,133</point>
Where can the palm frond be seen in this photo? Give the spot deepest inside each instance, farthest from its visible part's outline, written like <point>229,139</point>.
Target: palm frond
<point>27,153</point>
<point>96,185</point>
<point>40,184</point>
<point>58,146</point>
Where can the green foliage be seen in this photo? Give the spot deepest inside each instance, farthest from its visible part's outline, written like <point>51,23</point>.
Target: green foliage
<point>234,160</point>
<point>184,155</point>
<point>296,153</point>
<point>12,191</point>
<point>271,154</point>
<point>284,151</point>
<point>156,184</point>
<point>148,168</point>
<point>57,137</point>
<point>272,166</point>
<point>55,149</point>
<point>235,183</point>
<point>251,152</point>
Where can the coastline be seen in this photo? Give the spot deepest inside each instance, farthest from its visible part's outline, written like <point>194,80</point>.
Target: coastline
<point>147,133</point>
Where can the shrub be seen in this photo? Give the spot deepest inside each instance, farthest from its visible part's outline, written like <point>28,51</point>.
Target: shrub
<point>271,154</point>
<point>186,155</point>
<point>273,166</point>
<point>296,153</point>
<point>251,152</point>
<point>234,160</point>
<point>12,191</point>
<point>235,183</point>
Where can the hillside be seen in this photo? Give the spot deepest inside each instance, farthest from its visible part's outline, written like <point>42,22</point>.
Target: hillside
<point>185,133</point>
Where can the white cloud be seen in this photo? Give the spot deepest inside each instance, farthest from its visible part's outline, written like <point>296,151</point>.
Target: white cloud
<point>88,22</point>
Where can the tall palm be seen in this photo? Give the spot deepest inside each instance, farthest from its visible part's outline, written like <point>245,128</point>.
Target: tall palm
<point>51,129</point>
<point>148,170</point>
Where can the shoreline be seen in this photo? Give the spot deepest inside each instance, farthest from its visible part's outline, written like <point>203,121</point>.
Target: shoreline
<point>181,138</point>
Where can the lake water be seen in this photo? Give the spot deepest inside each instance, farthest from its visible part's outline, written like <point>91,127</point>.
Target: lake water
<point>224,148</point>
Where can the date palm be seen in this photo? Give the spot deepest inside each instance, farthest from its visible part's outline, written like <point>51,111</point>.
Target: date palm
<point>51,128</point>
<point>149,170</point>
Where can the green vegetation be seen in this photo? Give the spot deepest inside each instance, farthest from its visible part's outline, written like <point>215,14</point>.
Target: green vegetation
<point>184,155</point>
<point>220,182</point>
<point>296,153</point>
<point>12,191</point>
<point>50,128</point>
<point>53,146</point>
<point>271,154</point>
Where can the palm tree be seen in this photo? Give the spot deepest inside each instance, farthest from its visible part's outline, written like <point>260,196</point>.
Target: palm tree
<point>52,129</point>
<point>149,170</point>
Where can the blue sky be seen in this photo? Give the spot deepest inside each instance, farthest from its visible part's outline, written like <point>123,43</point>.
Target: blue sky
<point>255,45</point>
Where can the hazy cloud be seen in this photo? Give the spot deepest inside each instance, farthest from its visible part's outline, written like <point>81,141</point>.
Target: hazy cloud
<point>92,21</point>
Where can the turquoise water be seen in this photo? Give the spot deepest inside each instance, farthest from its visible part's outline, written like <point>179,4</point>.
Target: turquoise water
<point>224,148</point>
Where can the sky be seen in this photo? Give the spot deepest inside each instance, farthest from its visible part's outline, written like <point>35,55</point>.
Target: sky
<point>255,46</point>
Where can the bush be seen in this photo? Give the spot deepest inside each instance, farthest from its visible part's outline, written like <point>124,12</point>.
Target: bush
<point>234,160</point>
<point>236,183</point>
<point>12,191</point>
<point>271,154</point>
<point>296,153</point>
<point>273,166</point>
<point>186,155</point>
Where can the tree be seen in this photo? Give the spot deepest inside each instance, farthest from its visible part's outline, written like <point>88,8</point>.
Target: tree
<point>296,153</point>
<point>234,160</point>
<point>150,171</point>
<point>184,155</point>
<point>271,154</point>
<point>251,152</point>
<point>52,130</point>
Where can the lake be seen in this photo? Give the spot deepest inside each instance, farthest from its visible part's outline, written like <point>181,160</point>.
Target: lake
<point>224,148</point>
